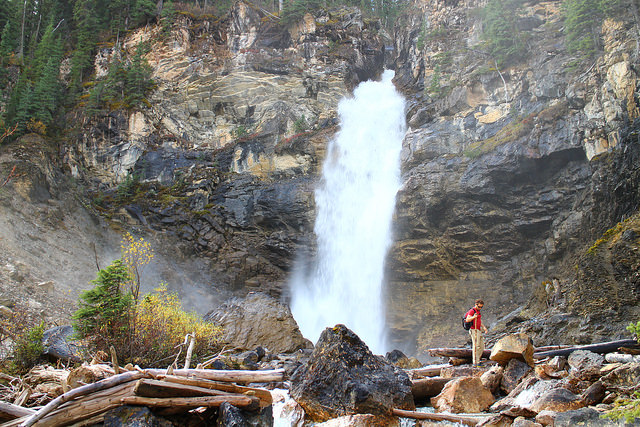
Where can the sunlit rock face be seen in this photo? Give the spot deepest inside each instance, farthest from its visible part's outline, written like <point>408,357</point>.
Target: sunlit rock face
<point>501,171</point>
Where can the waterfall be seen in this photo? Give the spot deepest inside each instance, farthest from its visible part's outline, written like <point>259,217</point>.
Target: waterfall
<point>355,203</point>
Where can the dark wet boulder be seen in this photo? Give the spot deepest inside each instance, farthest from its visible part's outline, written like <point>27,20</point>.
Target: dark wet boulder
<point>59,343</point>
<point>343,377</point>
<point>133,416</point>
<point>231,416</point>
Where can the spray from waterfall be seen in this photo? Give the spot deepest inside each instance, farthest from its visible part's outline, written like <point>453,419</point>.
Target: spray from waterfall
<point>355,203</point>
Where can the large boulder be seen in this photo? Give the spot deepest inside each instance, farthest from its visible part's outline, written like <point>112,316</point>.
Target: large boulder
<point>463,395</point>
<point>59,343</point>
<point>514,346</point>
<point>259,320</point>
<point>343,377</point>
<point>513,374</point>
<point>581,360</point>
<point>558,400</point>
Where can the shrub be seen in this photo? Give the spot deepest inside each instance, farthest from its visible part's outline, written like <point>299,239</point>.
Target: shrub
<point>161,326</point>
<point>28,348</point>
<point>629,409</point>
<point>127,188</point>
<point>635,329</point>
<point>20,340</point>
<point>300,125</point>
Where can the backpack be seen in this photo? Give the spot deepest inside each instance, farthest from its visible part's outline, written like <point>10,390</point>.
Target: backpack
<point>466,325</point>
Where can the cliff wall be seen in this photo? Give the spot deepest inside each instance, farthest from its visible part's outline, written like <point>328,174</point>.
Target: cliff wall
<point>509,175</point>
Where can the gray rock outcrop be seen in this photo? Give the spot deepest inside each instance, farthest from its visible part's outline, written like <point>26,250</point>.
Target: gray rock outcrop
<point>258,320</point>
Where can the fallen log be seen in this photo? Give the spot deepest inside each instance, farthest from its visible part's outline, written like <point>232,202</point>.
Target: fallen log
<point>426,371</point>
<point>462,419</point>
<point>9,411</point>
<point>163,389</point>
<point>264,395</point>
<point>237,400</point>
<point>605,347</point>
<point>460,353</point>
<point>88,406</point>
<point>241,376</point>
<point>81,391</point>
<point>428,387</point>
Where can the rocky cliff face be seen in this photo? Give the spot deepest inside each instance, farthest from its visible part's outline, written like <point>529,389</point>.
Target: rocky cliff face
<point>503,176</point>
<point>509,176</point>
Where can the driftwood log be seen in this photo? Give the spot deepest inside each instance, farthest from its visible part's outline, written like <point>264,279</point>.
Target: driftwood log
<point>427,387</point>
<point>81,391</point>
<point>238,376</point>
<point>187,389</point>
<point>459,353</point>
<point>427,371</point>
<point>540,352</point>
<point>240,401</point>
<point>462,419</point>
<point>604,347</point>
<point>9,411</point>
<point>264,395</point>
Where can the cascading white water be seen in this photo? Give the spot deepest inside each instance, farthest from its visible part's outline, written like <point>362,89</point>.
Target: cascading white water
<point>355,203</point>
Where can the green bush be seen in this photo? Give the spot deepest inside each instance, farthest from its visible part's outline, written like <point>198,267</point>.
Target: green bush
<point>28,348</point>
<point>635,329</point>
<point>629,409</point>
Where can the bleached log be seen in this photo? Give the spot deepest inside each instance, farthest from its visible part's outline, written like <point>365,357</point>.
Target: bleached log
<point>9,411</point>
<point>264,395</point>
<point>88,406</point>
<point>241,376</point>
<point>156,388</point>
<point>240,401</point>
<point>81,391</point>
<point>460,353</point>
<point>462,419</point>
<point>426,371</point>
<point>604,347</point>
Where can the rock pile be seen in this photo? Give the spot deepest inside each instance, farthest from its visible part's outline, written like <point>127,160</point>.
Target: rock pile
<point>560,390</point>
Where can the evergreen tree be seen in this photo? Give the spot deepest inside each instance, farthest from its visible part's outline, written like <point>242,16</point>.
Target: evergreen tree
<point>138,79</point>
<point>104,310</point>
<point>47,92</point>
<point>505,43</point>
<point>582,23</point>
<point>87,26</point>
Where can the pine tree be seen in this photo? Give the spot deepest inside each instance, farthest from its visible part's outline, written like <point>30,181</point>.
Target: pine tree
<point>86,23</point>
<point>47,93</point>
<point>138,79</point>
<point>104,310</point>
<point>505,42</point>
<point>582,23</point>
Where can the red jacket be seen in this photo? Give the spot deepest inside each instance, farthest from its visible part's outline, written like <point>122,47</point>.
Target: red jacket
<point>477,322</point>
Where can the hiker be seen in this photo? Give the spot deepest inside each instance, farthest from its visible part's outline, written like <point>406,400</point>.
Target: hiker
<point>477,342</point>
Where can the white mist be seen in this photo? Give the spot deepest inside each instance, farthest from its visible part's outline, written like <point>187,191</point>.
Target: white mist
<point>355,204</point>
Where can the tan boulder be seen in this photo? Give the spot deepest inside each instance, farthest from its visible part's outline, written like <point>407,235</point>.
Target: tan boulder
<point>558,400</point>
<point>514,346</point>
<point>492,378</point>
<point>463,395</point>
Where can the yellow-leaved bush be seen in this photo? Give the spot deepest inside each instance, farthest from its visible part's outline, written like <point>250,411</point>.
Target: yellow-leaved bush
<point>161,326</point>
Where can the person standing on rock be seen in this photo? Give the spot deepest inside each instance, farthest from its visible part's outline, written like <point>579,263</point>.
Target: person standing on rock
<point>477,341</point>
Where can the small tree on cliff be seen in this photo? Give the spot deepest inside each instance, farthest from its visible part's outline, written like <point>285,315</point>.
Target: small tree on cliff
<point>104,313</point>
